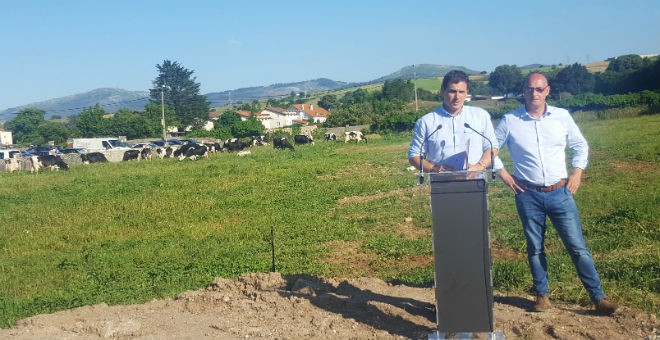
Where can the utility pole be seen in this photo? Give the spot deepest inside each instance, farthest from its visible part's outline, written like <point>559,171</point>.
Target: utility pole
<point>162,107</point>
<point>415,87</point>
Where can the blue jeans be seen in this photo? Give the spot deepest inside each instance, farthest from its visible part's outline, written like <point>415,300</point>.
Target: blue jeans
<point>533,207</point>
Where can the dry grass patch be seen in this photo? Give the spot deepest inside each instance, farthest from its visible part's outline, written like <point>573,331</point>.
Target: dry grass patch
<point>408,230</point>
<point>362,199</point>
<point>347,258</point>
<point>498,252</point>
<point>633,166</point>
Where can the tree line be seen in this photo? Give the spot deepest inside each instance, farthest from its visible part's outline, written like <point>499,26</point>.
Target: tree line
<point>629,80</point>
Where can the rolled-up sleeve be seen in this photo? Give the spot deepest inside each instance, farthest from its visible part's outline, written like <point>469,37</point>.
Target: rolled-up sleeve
<point>415,148</point>
<point>578,144</point>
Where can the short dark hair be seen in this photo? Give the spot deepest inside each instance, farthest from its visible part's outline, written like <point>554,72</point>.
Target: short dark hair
<point>453,77</point>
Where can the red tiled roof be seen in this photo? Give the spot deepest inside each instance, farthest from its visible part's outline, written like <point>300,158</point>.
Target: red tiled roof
<point>312,110</point>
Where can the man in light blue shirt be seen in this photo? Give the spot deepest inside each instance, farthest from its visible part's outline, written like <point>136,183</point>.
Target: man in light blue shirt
<point>442,134</point>
<point>537,135</point>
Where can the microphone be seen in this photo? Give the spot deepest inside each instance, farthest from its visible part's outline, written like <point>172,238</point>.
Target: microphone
<point>421,154</point>
<point>492,158</point>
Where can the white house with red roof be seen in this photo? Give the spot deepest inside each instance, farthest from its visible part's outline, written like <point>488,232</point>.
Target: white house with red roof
<point>310,112</point>
<point>273,117</point>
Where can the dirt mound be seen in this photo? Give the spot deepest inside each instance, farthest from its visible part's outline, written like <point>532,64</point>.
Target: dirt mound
<point>270,306</point>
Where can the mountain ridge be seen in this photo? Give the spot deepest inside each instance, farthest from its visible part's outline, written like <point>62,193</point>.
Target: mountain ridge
<point>112,99</point>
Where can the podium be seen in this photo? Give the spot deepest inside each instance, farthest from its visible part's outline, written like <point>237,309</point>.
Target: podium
<point>461,247</point>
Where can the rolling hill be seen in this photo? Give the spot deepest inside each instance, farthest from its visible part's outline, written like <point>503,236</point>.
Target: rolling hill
<point>112,99</point>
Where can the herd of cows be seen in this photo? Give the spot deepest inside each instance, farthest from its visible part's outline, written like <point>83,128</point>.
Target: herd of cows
<point>186,151</point>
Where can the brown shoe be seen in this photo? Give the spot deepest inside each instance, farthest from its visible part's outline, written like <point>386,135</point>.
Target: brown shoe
<point>604,306</point>
<point>542,303</point>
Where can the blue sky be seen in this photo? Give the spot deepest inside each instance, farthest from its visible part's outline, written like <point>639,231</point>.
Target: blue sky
<point>51,49</point>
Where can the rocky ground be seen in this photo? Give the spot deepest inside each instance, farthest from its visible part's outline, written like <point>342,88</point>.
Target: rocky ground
<point>270,306</point>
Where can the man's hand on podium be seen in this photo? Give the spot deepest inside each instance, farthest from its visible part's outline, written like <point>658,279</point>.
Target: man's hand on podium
<point>443,168</point>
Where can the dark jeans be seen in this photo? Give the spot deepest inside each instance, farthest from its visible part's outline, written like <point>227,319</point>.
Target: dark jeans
<point>533,207</point>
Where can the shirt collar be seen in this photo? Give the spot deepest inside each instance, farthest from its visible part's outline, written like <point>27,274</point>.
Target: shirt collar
<point>523,112</point>
<point>443,112</point>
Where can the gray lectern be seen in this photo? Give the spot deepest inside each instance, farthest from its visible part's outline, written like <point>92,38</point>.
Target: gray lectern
<point>461,246</point>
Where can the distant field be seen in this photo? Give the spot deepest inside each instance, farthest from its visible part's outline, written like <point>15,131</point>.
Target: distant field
<point>432,85</point>
<point>599,66</point>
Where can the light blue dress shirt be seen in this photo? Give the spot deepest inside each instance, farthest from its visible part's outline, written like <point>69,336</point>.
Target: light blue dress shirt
<point>453,144</point>
<point>538,146</point>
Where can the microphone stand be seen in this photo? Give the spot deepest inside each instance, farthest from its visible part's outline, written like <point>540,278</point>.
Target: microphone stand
<point>492,157</point>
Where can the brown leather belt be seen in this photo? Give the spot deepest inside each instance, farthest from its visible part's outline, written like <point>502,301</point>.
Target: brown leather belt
<point>527,186</point>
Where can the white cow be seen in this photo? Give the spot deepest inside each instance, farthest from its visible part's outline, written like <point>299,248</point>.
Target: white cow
<point>356,136</point>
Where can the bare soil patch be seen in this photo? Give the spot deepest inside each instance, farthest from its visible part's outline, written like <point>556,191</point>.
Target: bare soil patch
<point>272,306</point>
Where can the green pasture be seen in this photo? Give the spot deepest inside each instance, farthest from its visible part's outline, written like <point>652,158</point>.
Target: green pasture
<point>432,85</point>
<point>121,233</point>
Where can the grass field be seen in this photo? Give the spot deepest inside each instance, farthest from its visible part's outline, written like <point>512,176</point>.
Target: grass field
<point>129,232</point>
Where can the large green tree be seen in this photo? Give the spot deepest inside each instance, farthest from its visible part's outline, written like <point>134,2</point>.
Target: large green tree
<point>247,128</point>
<point>573,79</point>
<point>153,113</point>
<point>229,118</point>
<point>328,101</point>
<point>53,131</point>
<point>506,79</point>
<point>400,89</point>
<point>181,93</point>
<point>625,63</point>
<point>91,122</point>
<point>24,126</point>
<point>127,123</point>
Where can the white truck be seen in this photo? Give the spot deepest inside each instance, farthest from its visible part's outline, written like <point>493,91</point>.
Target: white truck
<point>99,144</point>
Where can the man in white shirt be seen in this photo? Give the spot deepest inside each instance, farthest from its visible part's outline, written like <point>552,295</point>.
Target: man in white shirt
<point>442,134</point>
<point>537,135</point>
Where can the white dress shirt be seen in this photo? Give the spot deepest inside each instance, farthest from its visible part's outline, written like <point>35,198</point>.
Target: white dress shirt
<point>538,146</point>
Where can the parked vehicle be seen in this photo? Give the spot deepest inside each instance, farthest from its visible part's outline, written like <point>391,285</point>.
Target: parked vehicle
<point>189,141</point>
<point>43,150</point>
<point>170,142</point>
<point>143,145</point>
<point>73,150</point>
<point>9,153</point>
<point>99,144</point>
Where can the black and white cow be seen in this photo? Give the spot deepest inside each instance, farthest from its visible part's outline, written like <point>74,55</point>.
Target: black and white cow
<point>11,164</point>
<point>282,143</point>
<point>330,136</point>
<point>93,157</point>
<point>145,153</point>
<point>230,140</point>
<point>194,152</point>
<point>53,162</point>
<point>356,136</point>
<point>130,155</point>
<point>303,139</point>
<point>164,152</point>
<point>181,152</point>
<point>213,147</point>
<point>235,145</point>
<point>259,140</point>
